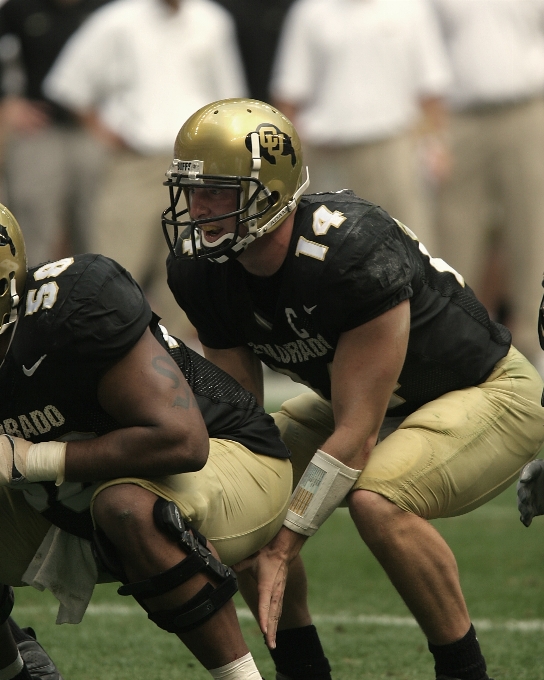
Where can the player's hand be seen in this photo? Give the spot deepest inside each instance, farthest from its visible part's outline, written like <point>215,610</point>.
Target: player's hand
<point>269,567</point>
<point>531,491</point>
<point>13,455</point>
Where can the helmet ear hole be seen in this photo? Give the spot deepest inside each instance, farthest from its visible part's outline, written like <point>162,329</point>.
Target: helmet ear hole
<point>4,286</point>
<point>275,196</point>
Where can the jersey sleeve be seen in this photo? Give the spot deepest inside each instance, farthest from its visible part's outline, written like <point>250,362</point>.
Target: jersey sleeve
<point>108,312</point>
<point>369,276</point>
<point>88,308</point>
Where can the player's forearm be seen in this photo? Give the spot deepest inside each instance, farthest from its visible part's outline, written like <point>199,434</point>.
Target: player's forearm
<point>353,444</point>
<point>136,452</point>
<point>365,373</point>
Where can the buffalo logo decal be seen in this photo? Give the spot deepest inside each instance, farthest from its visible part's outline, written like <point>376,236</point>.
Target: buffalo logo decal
<point>273,142</point>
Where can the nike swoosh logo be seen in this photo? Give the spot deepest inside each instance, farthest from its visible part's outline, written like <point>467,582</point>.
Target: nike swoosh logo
<point>309,310</point>
<point>30,371</point>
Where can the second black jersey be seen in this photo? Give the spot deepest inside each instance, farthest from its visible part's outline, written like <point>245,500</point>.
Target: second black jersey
<point>348,262</point>
<point>77,318</point>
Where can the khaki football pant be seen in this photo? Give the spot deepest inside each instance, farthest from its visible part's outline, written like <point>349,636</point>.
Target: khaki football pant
<point>448,457</point>
<point>238,501</point>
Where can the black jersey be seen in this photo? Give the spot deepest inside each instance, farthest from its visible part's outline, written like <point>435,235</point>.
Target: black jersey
<point>229,411</point>
<point>77,318</point>
<point>347,263</point>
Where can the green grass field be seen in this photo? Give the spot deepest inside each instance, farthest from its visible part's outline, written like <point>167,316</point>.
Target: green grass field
<point>365,628</point>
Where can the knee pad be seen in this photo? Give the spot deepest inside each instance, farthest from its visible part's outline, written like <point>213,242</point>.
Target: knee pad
<point>199,608</point>
<point>6,602</point>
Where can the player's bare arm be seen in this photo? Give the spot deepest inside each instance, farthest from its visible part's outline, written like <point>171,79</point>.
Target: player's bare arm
<point>242,364</point>
<point>163,432</point>
<point>366,366</point>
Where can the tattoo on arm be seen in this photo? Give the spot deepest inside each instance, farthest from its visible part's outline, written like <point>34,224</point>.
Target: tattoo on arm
<point>164,366</point>
<point>166,370</point>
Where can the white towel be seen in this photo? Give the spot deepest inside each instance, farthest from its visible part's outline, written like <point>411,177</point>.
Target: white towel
<point>64,564</point>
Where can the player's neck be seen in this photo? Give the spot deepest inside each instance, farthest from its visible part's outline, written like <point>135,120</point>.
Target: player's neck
<point>266,255</point>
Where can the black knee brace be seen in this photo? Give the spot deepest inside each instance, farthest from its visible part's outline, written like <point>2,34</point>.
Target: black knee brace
<point>6,602</point>
<point>199,608</point>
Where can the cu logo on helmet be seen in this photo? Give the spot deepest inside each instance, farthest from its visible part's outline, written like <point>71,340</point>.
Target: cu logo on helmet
<point>273,142</point>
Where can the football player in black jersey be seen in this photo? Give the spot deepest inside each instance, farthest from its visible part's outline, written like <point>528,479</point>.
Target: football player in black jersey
<point>102,410</point>
<point>421,408</point>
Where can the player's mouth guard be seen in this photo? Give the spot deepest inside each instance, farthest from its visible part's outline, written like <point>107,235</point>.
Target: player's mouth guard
<point>323,486</point>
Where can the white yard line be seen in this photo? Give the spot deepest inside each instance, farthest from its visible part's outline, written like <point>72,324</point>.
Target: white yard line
<point>528,626</point>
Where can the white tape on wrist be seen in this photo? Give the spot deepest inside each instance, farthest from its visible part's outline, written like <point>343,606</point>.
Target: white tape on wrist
<point>323,486</point>
<point>45,462</point>
<point>241,669</point>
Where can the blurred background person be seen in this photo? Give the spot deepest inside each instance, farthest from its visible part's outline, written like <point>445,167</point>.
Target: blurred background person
<point>357,77</point>
<point>494,195</point>
<point>132,72</point>
<point>51,166</point>
<point>258,27</point>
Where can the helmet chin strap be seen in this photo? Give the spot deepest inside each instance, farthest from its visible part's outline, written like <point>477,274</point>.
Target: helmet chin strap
<point>286,209</point>
<point>255,170</point>
<point>243,242</point>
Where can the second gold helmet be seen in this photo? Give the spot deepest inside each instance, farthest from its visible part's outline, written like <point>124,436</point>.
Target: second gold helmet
<point>242,144</point>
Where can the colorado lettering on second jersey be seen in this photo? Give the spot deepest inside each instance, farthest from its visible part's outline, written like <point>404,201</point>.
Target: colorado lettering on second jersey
<point>34,424</point>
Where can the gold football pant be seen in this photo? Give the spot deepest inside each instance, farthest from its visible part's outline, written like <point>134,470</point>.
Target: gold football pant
<point>451,455</point>
<point>238,501</point>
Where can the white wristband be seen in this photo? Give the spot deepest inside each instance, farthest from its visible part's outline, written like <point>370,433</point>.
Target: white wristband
<point>323,486</point>
<point>45,462</point>
<point>241,669</point>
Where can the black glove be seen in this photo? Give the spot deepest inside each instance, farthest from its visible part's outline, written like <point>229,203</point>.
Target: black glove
<point>530,490</point>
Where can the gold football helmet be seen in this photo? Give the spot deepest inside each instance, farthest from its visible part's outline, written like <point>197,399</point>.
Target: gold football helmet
<point>239,144</point>
<point>12,267</point>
